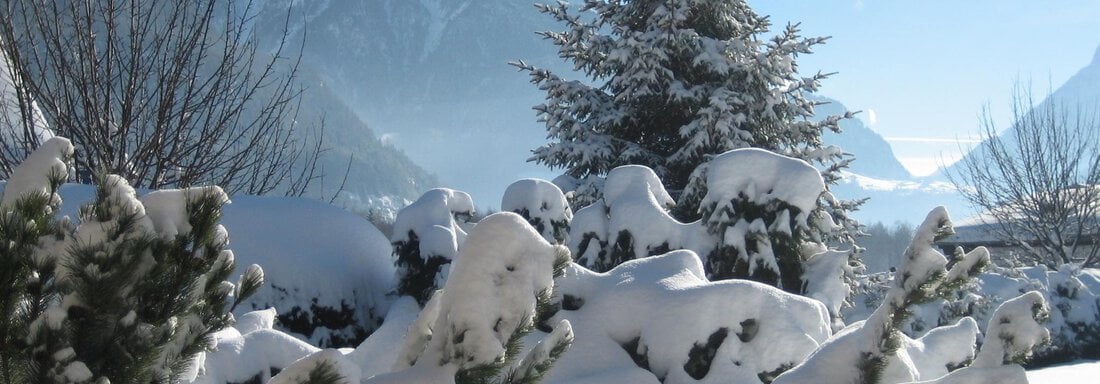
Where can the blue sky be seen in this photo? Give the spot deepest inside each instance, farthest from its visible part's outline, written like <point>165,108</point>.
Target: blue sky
<point>925,69</point>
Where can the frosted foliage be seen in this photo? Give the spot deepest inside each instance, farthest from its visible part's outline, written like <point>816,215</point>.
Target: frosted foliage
<point>167,208</point>
<point>32,176</point>
<point>824,276</point>
<point>762,177</point>
<point>432,219</point>
<point>561,334</point>
<point>637,211</point>
<point>916,359</point>
<point>587,230</point>
<point>543,204</point>
<point>663,307</point>
<point>1014,330</point>
<point>491,291</point>
<point>876,348</point>
<point>121,201</point>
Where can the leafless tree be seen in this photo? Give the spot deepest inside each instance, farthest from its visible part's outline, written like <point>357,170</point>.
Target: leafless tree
<point>1038,181</point>
<point>164,93</point>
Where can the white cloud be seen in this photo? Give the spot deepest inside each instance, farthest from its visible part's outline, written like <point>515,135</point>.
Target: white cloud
<point>872,117</point>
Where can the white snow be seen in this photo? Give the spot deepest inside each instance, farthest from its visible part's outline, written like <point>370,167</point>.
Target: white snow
<point>491,291</point>
<point>167,208</point>
<point>666,303</point>
<point>763,176</point>
<point>32,175</point>
<point>543,201</point>
<point>432,219</point>
<point>299,371</point>
<point>1077,372</point>
<point>312,254</point>
<point>238,357</point>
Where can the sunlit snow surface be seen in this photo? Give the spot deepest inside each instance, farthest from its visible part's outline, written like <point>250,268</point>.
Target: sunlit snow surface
<point>1082,371</point>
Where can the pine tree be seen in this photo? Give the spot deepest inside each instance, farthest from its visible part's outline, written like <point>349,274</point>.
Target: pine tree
<point>131,295</point>
<point>29,352</point>
<point>672,83</point>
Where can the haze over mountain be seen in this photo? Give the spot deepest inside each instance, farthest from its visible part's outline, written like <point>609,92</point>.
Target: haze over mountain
<point>431,78</point>
<point>1081,93</point>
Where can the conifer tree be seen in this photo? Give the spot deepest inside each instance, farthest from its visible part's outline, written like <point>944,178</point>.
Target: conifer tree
<point>131,295</point>
<point>29,353</point>
<point>672,83</point>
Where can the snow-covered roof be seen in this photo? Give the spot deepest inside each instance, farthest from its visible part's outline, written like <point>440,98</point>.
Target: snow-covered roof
<point>986,229</point>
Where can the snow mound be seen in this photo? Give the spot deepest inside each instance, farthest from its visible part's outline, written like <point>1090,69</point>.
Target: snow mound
<point>631,221</point>
<point>32,176</point>
<point>167,208</point>
<point>327,270</point>
<point>241,356</point>
<point>628,178</point>
<point>661,312</point>
<point>431,217</point>
<point>543,205</point>
<point>762,177</point>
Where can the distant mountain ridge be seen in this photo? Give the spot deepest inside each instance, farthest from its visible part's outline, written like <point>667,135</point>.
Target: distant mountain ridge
<point>1082,90</point>
<point>874,157</point>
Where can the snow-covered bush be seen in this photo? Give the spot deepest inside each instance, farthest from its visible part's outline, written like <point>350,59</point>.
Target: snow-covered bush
<point>757,224</point>
<point>543,205</point>
<point>658,319</point>
<point>762,209</point>
<point>470,331</point>
<point>881,353</point>
<point>1074,323</point>
<point>631,220</point>
<point>473,329</point>
<point>250,349</point>
<point>427,235</point>
<point>132,294</point>
<point>328,271</point>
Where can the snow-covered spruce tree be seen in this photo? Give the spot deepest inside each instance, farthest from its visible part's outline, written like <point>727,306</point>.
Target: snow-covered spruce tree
<point>672,83</point>
<point>427,235</point>
<point>543,205</point>
<point>880,353</point>
<point>28,264</point>
<point>472,331</point>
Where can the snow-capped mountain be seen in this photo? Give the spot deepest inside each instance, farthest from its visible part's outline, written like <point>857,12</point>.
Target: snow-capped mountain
<point>894,194</point>
<point>1081,92</point>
